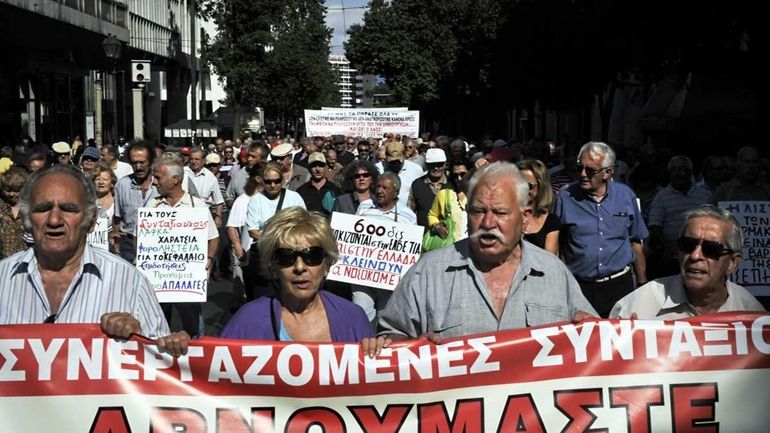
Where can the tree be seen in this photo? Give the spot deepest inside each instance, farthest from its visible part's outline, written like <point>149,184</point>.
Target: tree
<point>270,53</point>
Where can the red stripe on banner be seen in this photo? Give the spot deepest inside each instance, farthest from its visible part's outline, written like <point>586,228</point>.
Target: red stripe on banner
<point>40,360</point>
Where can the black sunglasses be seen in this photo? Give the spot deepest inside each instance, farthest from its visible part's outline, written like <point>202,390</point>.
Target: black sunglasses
<point>362,175</point>
<point>286,257</point>
<point>590,172</point>
<point>272,181</point>
<point>710,249</point>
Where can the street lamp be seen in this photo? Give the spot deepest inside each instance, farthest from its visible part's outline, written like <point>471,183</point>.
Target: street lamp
<point>112,50</point>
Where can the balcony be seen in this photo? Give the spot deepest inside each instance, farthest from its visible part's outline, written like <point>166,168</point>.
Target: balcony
<point>100,16</point>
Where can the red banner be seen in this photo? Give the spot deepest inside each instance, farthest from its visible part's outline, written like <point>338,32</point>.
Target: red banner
<point>705,374</point>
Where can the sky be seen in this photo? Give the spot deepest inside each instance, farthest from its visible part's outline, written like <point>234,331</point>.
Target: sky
<point>340,19</point>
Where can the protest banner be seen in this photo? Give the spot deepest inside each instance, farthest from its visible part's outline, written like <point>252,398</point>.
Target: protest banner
<point>171,251</point>
<point>372,122</point>
<point>99,235</point>
<point>363,109</point>
<point>753,271</point>
<point>704,374</point>
<point>374,252</point>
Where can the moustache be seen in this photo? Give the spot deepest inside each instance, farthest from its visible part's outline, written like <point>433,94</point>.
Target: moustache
<point>483,232</point>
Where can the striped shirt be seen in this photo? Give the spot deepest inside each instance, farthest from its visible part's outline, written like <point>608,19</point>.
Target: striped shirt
<point>105,283</point>
<point>128,200</point>
<point>669,206</point>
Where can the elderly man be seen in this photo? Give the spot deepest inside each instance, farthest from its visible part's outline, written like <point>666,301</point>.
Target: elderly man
<point>396,162</point>
<point>109,154</point>
<point>710,249</point>
<point>667,215</point>
<point>62,279</point>
<point>206,184</point>
<point>319,194</point>
<point>425,188</point>
<point>132,192</point>
<point>62,152</point>
<point>490,281</point>
<point>168,174</point>
<point>293,175</point>
<point>602,228</point>
<point>256,154</point>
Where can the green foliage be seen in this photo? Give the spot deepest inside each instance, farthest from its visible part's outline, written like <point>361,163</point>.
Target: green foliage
<point>270,53</point>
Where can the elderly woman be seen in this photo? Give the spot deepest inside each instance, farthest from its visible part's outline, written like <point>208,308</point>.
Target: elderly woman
<point>540,227</point>
<point>451,202</point>
<point>104,180</point>
<point>360,177</point>
<point>11,227</point>
<point>297,249</point>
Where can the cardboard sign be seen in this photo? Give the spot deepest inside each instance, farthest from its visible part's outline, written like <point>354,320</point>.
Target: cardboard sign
<point>753,271</point>
<point>171,251</point>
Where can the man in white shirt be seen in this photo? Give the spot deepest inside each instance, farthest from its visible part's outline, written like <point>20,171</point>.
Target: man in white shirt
<point>110,156</point>
<point>396,162</point>
<point>710,249</point>
<point>206,184</point>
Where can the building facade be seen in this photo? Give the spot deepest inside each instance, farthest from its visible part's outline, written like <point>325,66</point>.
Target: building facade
<point>56,81</point>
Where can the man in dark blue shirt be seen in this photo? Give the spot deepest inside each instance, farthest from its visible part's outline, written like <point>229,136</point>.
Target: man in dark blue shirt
<point>602,230</point>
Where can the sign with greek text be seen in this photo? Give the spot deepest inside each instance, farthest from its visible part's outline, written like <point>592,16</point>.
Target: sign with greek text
<point>99,236</point>
<point>171,251</point>
<point>369,122</point>
<point>753,271</point>
<point>374,252</point>
<point>704,374</point>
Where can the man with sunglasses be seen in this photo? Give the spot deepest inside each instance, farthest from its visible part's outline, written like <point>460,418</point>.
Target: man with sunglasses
<point>602,230</point>
<point>709,250</point>
<point>425,188</point>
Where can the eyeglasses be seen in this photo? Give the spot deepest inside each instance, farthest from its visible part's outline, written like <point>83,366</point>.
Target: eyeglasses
<point>286,257</point>
<point>460,174</point>
<point>710,249</point>
<point>272,181</point>
<point>362,176</point>
<point>590,172</point>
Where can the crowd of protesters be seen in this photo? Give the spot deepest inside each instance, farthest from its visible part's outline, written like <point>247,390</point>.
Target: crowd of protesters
<point>536,231</point>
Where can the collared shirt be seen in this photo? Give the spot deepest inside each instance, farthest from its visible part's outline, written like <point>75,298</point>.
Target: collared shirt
<point>669,206</point>
<point>408,174</point>
<point>237,219</point>
<point>598,235</point>
<point>666,299</point>
<point>11,231</point>
<point>398,213</point>
<point>122,169</point>
<point>187,200</point>
<point>207,186</point>
<point>319,200</point>
<point>105,283</point>
<point>262,208</point>
<point>128,200</point>
<point>237,183</point>
<point>445,293</point>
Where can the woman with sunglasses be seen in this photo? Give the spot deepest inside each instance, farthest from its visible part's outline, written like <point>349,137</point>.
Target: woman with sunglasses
<point>541,227</point>
<point>451,202</point>
<point>360,177</point>
<point>297,249</point>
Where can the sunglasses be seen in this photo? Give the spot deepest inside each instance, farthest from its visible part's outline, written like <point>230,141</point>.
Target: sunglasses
<point>362,176</point>
<point>460,174</point>
<point>710,249</point>
<point>286,257</point>
<point>272,181</point>
<point>590,172</point>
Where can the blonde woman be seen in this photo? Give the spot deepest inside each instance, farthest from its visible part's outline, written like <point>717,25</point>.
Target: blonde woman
<point>541,227</point>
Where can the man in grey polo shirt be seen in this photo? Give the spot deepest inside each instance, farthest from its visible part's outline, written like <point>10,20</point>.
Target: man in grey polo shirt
<point>489,282</point>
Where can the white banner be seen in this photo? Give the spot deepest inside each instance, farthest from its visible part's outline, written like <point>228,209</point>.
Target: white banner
<point>373,122</point>
<point>171,251</point>
<point>374,252</point>
<point>753,271</point>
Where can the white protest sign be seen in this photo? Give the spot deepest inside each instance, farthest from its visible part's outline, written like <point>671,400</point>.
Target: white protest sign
<point>171,251</point>
<point>374,252</point>
<point>363,109</point>
<point>753,271</point>
<point>374,122</point>
<point>99,236</point>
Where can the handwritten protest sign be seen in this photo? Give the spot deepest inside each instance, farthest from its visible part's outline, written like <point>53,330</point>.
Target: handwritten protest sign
<point>171,251</point>
<point>99,235</point>
<point>704,374</point>
<point>753,271</point>
<point>374,252</point>
<point>374,122</point>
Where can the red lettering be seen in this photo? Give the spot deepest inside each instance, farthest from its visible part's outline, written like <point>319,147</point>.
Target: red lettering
<point>173,419</point>
<point>520,415</point>
<point>692,408</point>
<point>637,401</point>
<point>328,420</point>
<point>576,405</point>
<point>390,421</point>
<point>468,417</point>
<point>110,420</point>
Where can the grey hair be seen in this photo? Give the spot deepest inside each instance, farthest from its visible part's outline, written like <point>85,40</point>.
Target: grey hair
<point>598,149</point>
<point>734,233</point>
<point>25,196</point>
<point>173,165</point>
<point>497,170</point>
<point>676,158</point>
<point>393,178</point>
